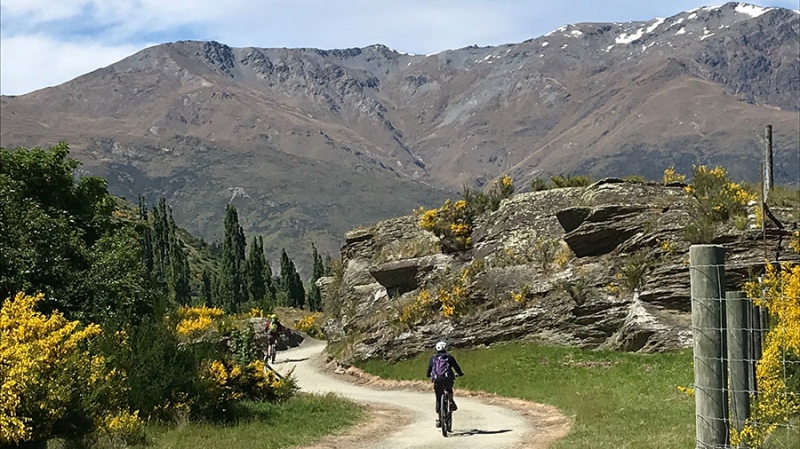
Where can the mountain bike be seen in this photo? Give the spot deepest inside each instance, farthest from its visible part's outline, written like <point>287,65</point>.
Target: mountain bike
<point>445,414</point>
<point>271,350</point>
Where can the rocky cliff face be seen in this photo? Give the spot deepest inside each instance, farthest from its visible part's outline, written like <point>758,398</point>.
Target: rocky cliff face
<point>601,266</point>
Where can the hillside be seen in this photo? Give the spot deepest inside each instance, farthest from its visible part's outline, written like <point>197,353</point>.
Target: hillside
<point>308,143</point>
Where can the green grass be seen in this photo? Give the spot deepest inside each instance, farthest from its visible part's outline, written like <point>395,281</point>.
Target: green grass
<point>616,400</point>
<point>299,421</point>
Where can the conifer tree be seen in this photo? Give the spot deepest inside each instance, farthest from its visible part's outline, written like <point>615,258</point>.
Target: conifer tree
<point>206,292</point>
<point>256,285</point>
<point>291,284</point>
<point>314,294</point>
<point>269,281</point>
<point>232,285</point>
<point>147,234</point>
<point>170,264</point>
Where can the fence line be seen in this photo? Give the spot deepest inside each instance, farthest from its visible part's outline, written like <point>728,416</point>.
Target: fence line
<point>729,333</point>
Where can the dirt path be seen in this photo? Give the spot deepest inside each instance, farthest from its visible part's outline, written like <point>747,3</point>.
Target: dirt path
<point>404,417</point>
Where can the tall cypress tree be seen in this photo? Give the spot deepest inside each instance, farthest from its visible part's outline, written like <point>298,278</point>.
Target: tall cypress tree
<point>232,285</point>
<point>179,277</point>
<point>291,284</point>
<point>206,292</point>
<point>256,285</point>
<point>147,234</point>
<point>269,281</point>
<point>314,294</point>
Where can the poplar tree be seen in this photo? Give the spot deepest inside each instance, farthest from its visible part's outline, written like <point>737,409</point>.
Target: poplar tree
<point>256,285</point>
<point>170,266</point>
<point>314,294</point>
<point>232,285</point>
<point>291,284</point>
<point>207,292</point>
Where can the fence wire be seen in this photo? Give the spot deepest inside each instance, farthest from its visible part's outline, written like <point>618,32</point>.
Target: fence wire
<point>747,367</point>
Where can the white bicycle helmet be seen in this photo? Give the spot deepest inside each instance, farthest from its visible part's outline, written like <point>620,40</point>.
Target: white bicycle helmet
<point>441,346</point>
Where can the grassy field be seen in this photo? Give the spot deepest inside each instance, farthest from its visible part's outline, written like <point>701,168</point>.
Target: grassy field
<point>302,420</point>
<point>616,400</point>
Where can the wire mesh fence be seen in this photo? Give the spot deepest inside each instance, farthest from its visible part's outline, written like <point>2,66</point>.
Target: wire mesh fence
<point>746,355</point>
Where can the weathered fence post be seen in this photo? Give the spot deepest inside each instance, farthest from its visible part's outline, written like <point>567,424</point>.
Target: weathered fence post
<point>707,276</point>
<point>767,161</point>
<point>737,310</point>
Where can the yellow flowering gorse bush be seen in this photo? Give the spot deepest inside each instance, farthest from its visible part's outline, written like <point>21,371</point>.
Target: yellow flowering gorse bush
<point>452,222</point>
<point>718,196</point>
<point>45,372</point>
<point>670,175</point>
<point>452,297</point>
<point>778,292</point>
<point>231,382</point>
<point>196,320</point>
<point>311,325</point>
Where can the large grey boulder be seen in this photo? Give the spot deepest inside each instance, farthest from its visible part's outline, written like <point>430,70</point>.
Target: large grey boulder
<point>599,266</point>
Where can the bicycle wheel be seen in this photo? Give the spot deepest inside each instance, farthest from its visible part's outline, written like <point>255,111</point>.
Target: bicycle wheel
<point>444,413</point>
<point>449,417</point>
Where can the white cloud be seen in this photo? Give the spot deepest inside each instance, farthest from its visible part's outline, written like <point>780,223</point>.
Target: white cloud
<point>34,62</point>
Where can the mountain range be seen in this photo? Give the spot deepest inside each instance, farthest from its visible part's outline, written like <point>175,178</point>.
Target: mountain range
<point>309,143</point>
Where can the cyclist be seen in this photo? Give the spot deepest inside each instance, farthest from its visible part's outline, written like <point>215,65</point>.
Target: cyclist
<point>444,379</point>
<point>274,329</point>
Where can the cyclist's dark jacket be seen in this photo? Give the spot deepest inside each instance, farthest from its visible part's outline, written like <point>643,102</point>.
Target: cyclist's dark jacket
<point>451,360</point>
<point>274,334</point>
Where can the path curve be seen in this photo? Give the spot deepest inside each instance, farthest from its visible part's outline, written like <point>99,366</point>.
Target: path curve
<point>476,425</point>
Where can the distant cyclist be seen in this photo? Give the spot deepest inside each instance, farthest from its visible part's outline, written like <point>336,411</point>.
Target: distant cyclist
<point>274,329</point>
<point>440,370</point>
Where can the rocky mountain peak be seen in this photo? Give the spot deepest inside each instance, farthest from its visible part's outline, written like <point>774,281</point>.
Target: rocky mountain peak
<point>180,119</point>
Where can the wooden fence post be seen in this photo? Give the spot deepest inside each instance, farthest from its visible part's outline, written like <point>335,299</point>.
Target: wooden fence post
<point>737,308</point>
<point>707,276</point>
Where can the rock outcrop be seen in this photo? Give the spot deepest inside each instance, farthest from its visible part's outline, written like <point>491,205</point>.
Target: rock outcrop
<point>604,266</point>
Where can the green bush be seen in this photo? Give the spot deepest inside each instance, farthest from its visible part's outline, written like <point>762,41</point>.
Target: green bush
<point>244,345</point>
<point>561,181</point>
<point>163,377</point>
<point>538,185</point>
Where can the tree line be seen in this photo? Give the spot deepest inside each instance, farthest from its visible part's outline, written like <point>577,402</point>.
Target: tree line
<point>96,258</point>
<point>96,296</point>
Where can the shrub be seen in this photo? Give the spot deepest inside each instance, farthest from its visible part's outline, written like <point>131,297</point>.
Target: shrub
<point>670,175</point>
<point>311,324</point>
<point>779,292</point>
<point>538,184</point>
<point>717,196</point>
<point>539,250</point>
<point>717,200</point>
<point>702,229</point>
<point>451,299</point>
<point>577,289</point>
<point>195,321</point>
<point>452,222</point>
<point>51,385</point>
<point>245,348</point>
<point>229,382</point>
<point>630,275</point>
<point>163,375</point>
<point>562,181</point>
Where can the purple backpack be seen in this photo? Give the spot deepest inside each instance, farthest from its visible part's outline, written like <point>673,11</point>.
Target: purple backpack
<point>441,366</point>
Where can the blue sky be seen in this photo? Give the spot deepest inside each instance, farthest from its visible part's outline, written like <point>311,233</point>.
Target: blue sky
<point>47,42</point>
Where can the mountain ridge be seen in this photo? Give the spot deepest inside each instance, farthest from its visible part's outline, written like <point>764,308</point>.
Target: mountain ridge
<point>598,98</point>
